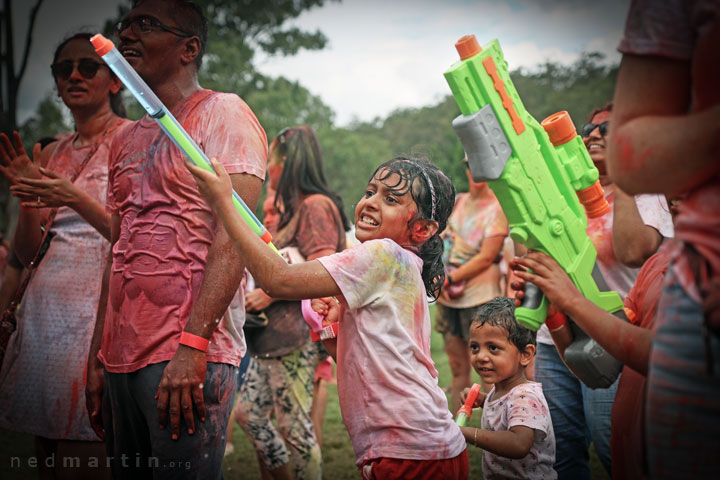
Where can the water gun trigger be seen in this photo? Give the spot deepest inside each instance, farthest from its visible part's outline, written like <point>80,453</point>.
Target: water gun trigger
<point>534,307</point>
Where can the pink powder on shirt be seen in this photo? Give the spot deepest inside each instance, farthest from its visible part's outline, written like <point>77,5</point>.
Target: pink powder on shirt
<point>167,229</point>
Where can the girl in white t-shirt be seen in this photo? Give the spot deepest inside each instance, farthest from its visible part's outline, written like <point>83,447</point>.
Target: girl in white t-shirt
<point>395,412</point>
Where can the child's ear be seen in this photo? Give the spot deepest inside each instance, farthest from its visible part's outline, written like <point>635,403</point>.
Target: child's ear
<point>527,355</point>
<point>421,230</point>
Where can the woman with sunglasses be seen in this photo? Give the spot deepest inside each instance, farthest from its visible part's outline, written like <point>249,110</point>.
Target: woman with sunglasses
<point>284,360</point>
<point>42,380</point>
<point>624,238</point>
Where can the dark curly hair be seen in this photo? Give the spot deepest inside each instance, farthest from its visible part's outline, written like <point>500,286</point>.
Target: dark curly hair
<point>434,195</point>
<point>500,312</point>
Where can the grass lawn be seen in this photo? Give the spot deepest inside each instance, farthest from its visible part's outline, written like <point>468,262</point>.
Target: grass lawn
<point>338,455</point>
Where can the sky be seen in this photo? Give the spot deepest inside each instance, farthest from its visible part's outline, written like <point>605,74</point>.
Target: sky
<point>381,55</point>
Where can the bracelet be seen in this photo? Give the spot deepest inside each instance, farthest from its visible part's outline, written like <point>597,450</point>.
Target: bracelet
<point>475,441</point>
<point>327,332</point>
<point>194,341</point>
<point>449,278</point>
<point>556,322</point>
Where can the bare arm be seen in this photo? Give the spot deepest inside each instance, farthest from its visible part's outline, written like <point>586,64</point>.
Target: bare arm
<point>489,251</point>
<point>633,241</point>
<point>258,300</point>
<point>626,342</point>
<point>181,384</point>
<point>513,443</point>
<point>655,145</point>
<point>279,280</point>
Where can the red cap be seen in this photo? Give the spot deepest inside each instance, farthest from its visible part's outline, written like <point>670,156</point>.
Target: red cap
<point>559,127</point>
<point>102,45</point>
<point>467,47</point>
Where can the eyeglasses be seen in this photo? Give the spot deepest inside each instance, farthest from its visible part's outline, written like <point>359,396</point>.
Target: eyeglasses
<point>86,67</point>
<point>144,24</point>
<point>589,127</point>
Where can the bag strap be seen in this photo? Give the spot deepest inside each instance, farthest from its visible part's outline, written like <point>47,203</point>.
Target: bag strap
<point>51,218</point>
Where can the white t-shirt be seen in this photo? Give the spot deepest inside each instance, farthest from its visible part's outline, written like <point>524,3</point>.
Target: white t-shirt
<point>654,212</point>
<point>389,396</point>
<point>524,405</point>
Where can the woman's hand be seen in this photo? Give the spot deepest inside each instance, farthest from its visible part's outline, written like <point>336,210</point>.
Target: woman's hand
<point>54,191</point>
<point>215,187</point>
<point>257,300</point>
<point>15,161</point>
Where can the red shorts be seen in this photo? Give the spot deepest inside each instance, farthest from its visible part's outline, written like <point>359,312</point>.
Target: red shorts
<point>402,469</point>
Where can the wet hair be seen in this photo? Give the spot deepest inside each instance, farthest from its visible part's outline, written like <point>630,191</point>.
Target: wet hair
<point>603,108</point>
<point>434,194</point>
<point>302,173</point>
<point>500,312</point>
<point>190,19</point>
<point>116,103</point>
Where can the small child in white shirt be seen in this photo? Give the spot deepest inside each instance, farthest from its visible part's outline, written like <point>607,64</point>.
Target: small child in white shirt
<point>517,434</point>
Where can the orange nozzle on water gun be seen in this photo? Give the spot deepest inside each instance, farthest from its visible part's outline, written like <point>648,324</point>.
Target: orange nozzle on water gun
<point>467,47</point>
<point>465,411</point>
<point>561,130</point>
<point>101,44</point>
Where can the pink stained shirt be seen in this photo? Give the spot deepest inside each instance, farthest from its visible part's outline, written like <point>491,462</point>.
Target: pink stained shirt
<point>167,229</point>
<point>524,405</point>
<point>389,396</point>
<point>671,29</point>
<point>474,220</point>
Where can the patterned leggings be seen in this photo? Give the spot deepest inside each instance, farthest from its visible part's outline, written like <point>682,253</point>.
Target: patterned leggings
<point>285,385</point>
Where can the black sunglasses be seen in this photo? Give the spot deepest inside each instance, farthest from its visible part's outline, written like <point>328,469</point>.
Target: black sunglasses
<point>589,127</point>
<point>86,67</point>
<point>144,24</point>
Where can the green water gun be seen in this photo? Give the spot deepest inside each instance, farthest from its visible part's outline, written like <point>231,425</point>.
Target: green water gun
<point>545,181</point>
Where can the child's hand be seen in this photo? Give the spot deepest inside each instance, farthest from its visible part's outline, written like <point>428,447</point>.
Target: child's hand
<point>216,186</point>
<point>479,401</point>
<point>329,307</point>
<point>548,276</point>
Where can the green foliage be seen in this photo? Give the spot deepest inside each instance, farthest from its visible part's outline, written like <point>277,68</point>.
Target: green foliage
<point>350,156</point>
<point>279,103</point>
<point>578,88</point>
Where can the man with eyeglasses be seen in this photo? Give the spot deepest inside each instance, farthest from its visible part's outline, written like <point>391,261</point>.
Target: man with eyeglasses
<point>161,369</point>
<point>624,238</point>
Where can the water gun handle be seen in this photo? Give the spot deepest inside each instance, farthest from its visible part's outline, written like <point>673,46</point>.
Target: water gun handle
<point>315,322</point>
<point>465,411</point>
<point>533,310</point>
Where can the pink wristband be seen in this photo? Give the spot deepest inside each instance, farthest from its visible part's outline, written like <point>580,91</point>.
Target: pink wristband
<point>556,321</point>
<point>194,341</point>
